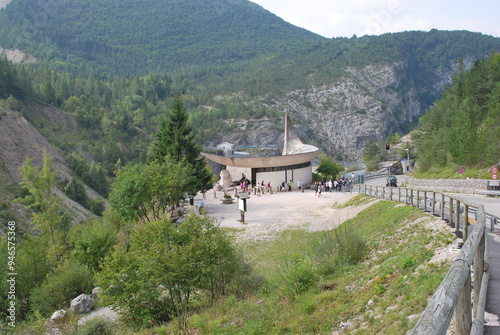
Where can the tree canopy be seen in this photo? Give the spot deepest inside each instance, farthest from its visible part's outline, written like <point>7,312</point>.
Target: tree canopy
<point>327,168</point>
<point>176,140</point>
<point>146,191</point>
<point>154,277</point>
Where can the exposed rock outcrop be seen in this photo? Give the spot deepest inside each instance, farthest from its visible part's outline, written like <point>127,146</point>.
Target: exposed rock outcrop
<point>81,304</point>
<point>58,315</point>
<point>367,104</point>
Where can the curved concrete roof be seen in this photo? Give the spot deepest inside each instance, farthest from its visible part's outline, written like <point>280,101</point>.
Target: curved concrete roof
<point>308,154</point>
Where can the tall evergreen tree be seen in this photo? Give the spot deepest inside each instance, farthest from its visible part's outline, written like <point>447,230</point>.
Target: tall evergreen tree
<point>176,139</point>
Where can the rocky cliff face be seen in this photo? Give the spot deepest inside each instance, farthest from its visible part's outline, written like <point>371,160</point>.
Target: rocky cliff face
<point>367,104</point>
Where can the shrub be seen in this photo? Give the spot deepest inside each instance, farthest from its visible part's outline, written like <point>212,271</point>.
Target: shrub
<point>164,266</point>
<point>91,242</point>
<point>96,326</point>
<point>68,281</point>
<point>299,275</point>
<point>339,247</point>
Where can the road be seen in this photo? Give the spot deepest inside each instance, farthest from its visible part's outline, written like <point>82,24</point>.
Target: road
<point>491,207</point>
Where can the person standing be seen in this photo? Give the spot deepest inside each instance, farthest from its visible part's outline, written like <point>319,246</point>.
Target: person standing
<point>299,185</point>
<point>289,186</point>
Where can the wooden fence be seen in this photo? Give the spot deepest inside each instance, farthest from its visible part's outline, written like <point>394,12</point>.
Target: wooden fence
<point>454,294</point>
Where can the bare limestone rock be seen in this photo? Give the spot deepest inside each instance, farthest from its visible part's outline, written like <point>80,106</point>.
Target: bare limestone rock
<point>81,304</point>
<point>95,294</point>
<point>225,179</point>
<point>58,315</point>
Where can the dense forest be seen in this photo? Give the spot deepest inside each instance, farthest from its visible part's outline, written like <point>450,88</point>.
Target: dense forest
<point>113,37</point>
<point>462,128</point>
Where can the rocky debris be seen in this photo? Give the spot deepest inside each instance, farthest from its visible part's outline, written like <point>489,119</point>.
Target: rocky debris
<point>15,55</point>
<point>58,315</point>
<point>105,312</point>
<point>95,294</point>
<point>81,304</point>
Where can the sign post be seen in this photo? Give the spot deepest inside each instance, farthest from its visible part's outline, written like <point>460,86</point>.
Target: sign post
<point>460,171</point>
<point>242,205</point>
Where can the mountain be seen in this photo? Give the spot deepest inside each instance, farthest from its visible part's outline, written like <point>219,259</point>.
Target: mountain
<point>138,36</point>
<point>344,93</point>
<point>233,61</point>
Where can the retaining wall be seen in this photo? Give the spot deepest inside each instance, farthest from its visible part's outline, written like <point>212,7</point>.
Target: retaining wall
<point>467,186</point>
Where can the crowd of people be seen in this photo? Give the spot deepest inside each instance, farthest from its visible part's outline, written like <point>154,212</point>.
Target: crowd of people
<point>340,185</point>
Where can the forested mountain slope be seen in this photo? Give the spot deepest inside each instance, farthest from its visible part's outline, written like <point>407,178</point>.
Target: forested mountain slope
<point>233,61</point>
<point>139,36</point>
<point>462,129</point>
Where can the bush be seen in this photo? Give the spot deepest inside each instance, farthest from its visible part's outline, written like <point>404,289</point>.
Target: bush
<point>339,247</point>
<point>352,246</point>
<point>91,242</point>
<point>164,267</point>
<point>96,326</point>
<point>299,275</point>
<point>97,206</point>
<point>68,281</point>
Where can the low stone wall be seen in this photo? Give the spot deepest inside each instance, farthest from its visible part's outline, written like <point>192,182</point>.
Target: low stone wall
<point>467,186</point>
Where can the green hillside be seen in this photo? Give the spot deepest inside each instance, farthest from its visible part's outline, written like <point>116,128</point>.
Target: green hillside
<point>462,128</point>
<point>132,36</point>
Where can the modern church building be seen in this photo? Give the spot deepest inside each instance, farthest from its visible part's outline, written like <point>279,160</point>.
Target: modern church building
<point>294,164</point>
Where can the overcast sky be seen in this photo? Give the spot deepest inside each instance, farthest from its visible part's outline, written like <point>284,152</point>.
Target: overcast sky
<point>337,18</point>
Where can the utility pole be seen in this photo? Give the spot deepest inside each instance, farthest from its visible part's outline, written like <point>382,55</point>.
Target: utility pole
<point>408,160</point>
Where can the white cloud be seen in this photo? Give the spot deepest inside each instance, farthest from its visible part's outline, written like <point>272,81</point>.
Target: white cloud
<point>333,18</point>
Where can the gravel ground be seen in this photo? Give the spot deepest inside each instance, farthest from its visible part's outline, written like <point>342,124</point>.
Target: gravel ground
<point>270,214</point>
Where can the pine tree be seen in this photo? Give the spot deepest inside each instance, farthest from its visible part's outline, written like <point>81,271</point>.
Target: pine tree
<point>176,139</point>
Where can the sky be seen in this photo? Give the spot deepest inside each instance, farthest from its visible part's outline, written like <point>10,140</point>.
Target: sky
<point>345,18</point>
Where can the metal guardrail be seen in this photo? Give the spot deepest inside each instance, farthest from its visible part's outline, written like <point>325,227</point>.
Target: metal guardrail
<point>454,294</point>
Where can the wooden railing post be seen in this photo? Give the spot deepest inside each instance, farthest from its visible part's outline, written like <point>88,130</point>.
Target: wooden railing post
<point>406,196</point>
<point>479,268</point>
<point>457,221</point>
<point>391,194</point>
<point>411,197</point>
<point>466,219</point>
<point>425,201</point>
<point>451,211</point>
<point>399,194</point>
<point>433,203</point>
<point>463,310</point>
<point>442,206</point>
